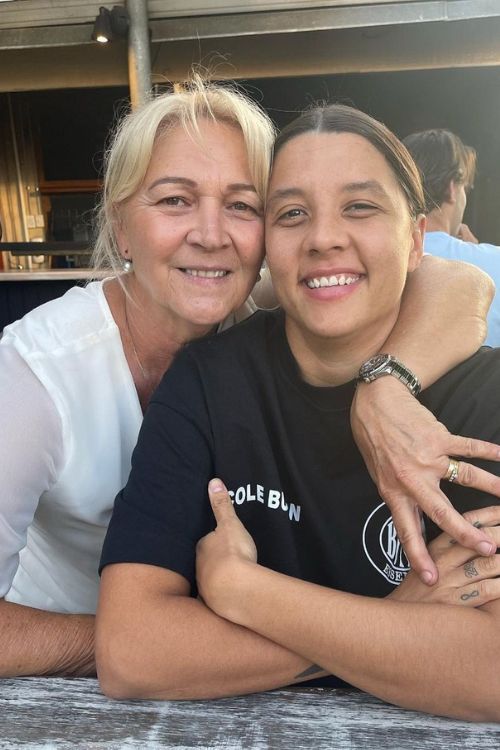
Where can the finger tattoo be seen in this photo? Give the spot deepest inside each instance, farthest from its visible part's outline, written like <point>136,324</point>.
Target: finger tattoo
<point>470,569</point>
<point>472,595</point>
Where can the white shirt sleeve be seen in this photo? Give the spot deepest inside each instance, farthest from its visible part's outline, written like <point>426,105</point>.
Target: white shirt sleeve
<point>31,455</point>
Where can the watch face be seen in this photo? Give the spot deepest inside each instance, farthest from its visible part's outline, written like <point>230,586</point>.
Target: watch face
<point>373,364</point>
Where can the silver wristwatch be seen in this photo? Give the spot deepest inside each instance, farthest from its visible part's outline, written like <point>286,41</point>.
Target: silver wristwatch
<point>386,364</point>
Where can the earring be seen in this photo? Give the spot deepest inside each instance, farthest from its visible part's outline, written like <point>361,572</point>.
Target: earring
<point>127,266</point>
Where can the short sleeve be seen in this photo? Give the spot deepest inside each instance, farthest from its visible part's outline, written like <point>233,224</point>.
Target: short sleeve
<point>31,455</point>
<point>164,510</point>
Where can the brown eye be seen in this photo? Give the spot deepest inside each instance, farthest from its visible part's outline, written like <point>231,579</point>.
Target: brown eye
<point>173,200</point>
<point>293,213</point>
<point>242,206</point>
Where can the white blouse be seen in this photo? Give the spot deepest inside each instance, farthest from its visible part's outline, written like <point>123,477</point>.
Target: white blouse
<point>70,417</point>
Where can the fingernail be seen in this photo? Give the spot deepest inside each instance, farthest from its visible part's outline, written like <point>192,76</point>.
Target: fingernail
<point>486,548</point>
<point>215,485</point>
<point>427,577</point>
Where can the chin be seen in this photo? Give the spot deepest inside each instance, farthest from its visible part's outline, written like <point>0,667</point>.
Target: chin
<point>209,318</point>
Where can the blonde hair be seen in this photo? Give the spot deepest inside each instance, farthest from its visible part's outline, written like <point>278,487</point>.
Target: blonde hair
<point>129,155</point>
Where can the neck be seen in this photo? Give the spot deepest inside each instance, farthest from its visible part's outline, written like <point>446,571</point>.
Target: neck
<point>438,221</point>
<point>333,361</point>
<point>157,335</point>
<point>150,337</point>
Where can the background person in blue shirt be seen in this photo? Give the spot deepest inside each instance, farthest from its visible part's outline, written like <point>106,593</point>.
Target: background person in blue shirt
<point>448,167</point>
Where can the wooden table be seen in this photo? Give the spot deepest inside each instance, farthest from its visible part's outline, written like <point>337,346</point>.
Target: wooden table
<point>57,714</point>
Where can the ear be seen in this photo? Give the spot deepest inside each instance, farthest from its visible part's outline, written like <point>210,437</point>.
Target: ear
<point>121,234</point>
<point>417,249</point>
<point>451,192</point>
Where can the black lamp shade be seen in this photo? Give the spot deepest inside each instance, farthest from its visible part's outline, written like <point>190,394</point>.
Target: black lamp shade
<point>102,27</point>
<point>110,24</point>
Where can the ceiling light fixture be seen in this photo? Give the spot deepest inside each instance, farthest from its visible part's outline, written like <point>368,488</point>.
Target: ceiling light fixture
<point>110,24</point>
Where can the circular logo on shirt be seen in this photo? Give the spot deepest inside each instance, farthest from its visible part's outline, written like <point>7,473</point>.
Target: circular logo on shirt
<point>382,546</point>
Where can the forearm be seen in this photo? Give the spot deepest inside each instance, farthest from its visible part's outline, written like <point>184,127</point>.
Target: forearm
<point>442,320</point>
<point>35,642</point>
<point>176,648</point>
<point>435,658</point>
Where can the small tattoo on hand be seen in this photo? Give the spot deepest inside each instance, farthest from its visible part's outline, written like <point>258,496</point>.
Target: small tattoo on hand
<point>472,595</point>
<point>470,569</point>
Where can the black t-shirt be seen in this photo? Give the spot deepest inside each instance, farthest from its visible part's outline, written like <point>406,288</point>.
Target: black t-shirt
<point>235,406</point>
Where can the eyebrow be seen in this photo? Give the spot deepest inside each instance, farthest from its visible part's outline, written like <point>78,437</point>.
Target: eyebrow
<point>173,180</point>
<point>285,193</point>
<point>233,187</point>
<point>351,187</point>
<point>373,185</point>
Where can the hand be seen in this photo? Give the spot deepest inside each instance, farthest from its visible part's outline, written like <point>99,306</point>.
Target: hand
<point>406,451</point>
<point>465,234</point>
<point>463,579</point>
<point>218,553</point>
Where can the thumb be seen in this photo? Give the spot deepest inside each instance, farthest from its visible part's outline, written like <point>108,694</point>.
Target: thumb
<point>220,501</point>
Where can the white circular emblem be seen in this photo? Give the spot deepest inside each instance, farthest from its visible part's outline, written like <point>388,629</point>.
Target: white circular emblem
<point>382,546</point>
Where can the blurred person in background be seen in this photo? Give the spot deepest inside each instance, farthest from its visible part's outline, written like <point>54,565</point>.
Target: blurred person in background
<point>448,168</point>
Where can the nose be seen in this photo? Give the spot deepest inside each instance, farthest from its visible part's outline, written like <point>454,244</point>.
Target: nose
<point>209,231</point>
<point>327,232</point>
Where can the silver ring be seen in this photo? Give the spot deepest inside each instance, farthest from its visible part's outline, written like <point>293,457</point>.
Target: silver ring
<point>452,472</point>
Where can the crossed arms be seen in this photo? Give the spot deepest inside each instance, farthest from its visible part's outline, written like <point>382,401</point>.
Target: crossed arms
<point>254,629</point>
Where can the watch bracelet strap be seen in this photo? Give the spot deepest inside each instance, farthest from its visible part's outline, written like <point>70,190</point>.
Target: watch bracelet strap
<point>406,376</point>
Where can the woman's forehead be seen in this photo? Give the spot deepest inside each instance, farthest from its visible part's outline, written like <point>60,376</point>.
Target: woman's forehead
<point>332,157</point>
<point>215,143</point>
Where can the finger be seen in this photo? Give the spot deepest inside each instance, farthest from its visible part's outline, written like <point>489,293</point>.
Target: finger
<point>489,516</point>
<point>460,528</point>
<point>472,476</point>
<point>408,523</point>
<point>472,448</point>
<point>481,567</point>
<point>450,554</point>
<point>478,593</point>
<point>220,501</point>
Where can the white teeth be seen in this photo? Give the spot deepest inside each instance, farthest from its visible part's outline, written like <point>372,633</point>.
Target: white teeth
<point>205,274</point>
<point>323,281</point>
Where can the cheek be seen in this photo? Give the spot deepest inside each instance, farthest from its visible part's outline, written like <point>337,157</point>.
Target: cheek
<point>277,250</point>
<point>252,243</point>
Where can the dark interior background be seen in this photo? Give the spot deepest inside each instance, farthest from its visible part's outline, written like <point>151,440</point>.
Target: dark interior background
<point>73,124</point>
